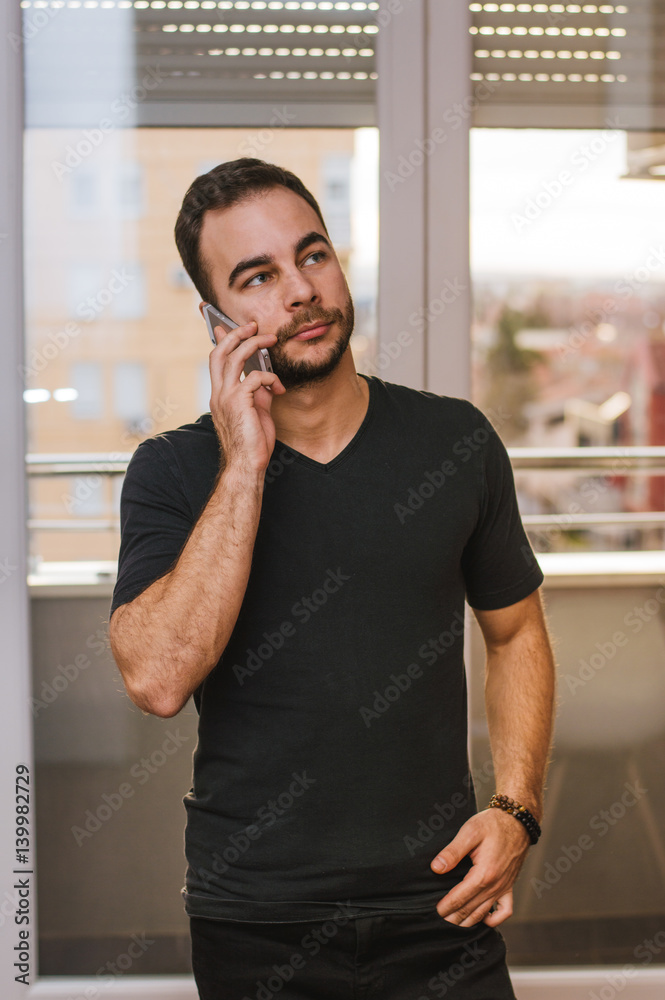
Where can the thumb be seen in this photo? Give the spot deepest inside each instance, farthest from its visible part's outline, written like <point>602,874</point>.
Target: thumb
<point>453,852</point>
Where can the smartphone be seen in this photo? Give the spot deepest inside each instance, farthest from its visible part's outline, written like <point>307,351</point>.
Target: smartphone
<point>259,361</point>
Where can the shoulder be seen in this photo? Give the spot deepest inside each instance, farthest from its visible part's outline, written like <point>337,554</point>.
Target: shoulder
<point>457,413</point>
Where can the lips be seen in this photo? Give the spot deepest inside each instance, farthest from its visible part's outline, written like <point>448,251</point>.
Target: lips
<point>311,332</point>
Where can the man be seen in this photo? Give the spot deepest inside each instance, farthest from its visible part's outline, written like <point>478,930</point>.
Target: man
<point>297,560</point>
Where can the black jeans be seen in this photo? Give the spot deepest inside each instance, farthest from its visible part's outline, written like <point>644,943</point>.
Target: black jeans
<point>418,956</point>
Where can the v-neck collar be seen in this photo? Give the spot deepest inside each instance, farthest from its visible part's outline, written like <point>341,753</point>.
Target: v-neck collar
<point>350,447</point>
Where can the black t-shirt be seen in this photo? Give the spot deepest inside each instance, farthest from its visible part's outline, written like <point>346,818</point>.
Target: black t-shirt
<point>331,763</point>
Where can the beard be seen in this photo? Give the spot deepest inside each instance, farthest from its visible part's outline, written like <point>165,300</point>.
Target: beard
<point>302,373</point>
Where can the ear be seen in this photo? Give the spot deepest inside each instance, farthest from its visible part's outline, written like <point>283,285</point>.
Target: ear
<point>201,305</point>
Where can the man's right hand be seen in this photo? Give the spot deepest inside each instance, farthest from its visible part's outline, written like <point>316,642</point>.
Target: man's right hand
<point>241,409</point>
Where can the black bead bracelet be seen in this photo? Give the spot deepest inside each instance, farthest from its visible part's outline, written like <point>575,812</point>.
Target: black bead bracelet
<point>526,818</point>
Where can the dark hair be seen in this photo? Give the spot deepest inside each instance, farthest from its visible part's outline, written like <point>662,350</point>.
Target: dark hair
<point>225,185</point>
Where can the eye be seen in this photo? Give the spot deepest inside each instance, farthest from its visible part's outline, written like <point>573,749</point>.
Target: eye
<point>317,253</point>
<point>262,274</point>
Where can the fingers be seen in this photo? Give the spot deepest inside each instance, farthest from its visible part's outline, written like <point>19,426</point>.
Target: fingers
<point>228,358</point>
<point>458,848</point>
<point>256,379</point>
<point>502,910</point>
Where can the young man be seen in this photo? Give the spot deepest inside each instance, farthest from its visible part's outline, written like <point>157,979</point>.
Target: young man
<point>297,560</point>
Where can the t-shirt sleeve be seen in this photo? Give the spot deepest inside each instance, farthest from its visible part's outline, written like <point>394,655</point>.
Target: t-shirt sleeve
<point>498,562</point>
<point>155,522</point>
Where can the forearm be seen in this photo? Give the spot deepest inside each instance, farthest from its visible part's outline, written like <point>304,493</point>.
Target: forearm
<point>519,698</point>
<point>168,639</point>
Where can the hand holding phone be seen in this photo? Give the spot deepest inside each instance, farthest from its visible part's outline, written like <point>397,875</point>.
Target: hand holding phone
<point>260,361</point>
<point>240,408</point>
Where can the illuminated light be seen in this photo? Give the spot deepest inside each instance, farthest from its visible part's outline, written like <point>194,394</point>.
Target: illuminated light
<point>475,7</point>
<point>622,78</point>
<point>620,401</point>
<point>493,76</point>
<point>158,4</point>
<point>36,395</point>
<point>316,52</point>
<point>299,52</point>
<point>260,76</point>
<point>282,52</point>
<point>370,29</point>
<point>597,55</point>
<point>337,29</point>
<point>526,77</point>
<point>613,55</point>
<point>602,31</point>
<point>520,31</point>
<point>275,6</point>
<point>508,7</point>
<point>269,28</point>
<point>504,31</point>
<point>342,5</point>
<point>531,54</point>
<point>225,5</point>
<point>343,75</point>
<point>186,27</point>
<point>252,27</point>
<point>486,30</point>
<point>215,52</point>
<point>591,78</point>
<point>536,31</point>
<point>308,5</point>
<point>242,4</point>
<point>552,31</point>
<point>575,77</point>
<point>169,27</point>
<point>203,27</point>
<point>619,32</point>
<point>192,4</point>
<point>320,28</point>
<point>557,8</point>
<point>509,77</point>
<point>540,8</point>
<point>491,7</point>
<point>590,8</point>
<point>266,52</point>
<point>220,27</point>
<point>473,30</point>
<point>237,27</point>
<point>66,395</point>
<point>287,28</point>
<point>360,75</point>
<point>259,5</point>
<point>325,6</point>
<point>310,75</point>
<point>481,54</point>
<point>524,8</point>
<point>542,77</point>
<point>77,3</point>
<point>356,29</point>
<point>585,32</point>
<point>607,78</point>
<point>232,52</point>
<point>88,3</point>
<point>304,28</point>
<point>332,53</point>
<point>580,54</point>
<point>276,75</point>
<point>573,8</point>
<point>548,54</point>
<point>365,52</point>
<point>515,53</point>
<point>175,4</point>
<point>350,53</point>
<point>569,31</point>
<point>476,76</point>
<point>26,3</point>
<point>249,52</point>
<point>498,54</point>
<point>558,77</point>
<point>327,75</point>
<point>293,75</point>
<point>358,6</point>
<point>141,4</point>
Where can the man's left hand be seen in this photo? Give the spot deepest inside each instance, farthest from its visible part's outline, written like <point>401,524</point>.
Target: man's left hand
<point>497,844</point>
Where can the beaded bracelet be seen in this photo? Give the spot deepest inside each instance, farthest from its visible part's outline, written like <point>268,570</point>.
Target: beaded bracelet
<point>526,818</point>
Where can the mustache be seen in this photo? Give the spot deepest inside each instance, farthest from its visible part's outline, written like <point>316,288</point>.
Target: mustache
<point>309,319</point>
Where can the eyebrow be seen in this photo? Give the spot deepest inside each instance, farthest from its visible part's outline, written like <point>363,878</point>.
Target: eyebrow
<point>263,259</point>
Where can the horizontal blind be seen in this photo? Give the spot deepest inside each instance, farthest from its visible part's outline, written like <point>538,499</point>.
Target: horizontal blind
<point>569,65</point>
<point>189,62</point>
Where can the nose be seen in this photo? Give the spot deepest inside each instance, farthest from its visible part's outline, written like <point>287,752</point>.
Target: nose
<point>299,291</point>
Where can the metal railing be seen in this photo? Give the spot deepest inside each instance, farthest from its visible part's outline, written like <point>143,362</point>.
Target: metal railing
<point>616,461</point>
